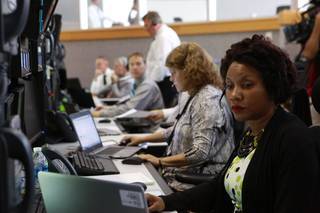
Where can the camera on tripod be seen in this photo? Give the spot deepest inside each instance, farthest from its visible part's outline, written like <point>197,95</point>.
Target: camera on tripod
<point>300,32</point>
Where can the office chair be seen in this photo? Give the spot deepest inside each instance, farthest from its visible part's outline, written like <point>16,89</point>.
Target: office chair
<point>301,107</point>
<point>316,95</point>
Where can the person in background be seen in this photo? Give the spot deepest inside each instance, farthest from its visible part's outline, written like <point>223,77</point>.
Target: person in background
<point>145,93</point>
<point>121,81</point>
<point>311,55</point>
<point>164,41</point>
<point>102,75</point>
<point>96,16</point>
<point>201,139</point>
<point>275,166</point>
<point>169,114</point>
<point>134,16</point>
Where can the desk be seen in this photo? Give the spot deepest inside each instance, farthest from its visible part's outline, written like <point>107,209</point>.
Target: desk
<point>147,169</point>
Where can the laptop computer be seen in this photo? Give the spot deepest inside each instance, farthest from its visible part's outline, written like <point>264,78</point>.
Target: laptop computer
<point>74,194</point>
<point>112,101</point>
<point>90,140</point>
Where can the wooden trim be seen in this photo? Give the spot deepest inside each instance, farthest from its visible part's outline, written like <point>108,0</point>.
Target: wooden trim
<point>249,25</point>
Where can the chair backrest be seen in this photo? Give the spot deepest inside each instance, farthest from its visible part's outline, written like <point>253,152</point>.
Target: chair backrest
<point>315,134</point>
<point>301,106</point>
<point>316,95</point>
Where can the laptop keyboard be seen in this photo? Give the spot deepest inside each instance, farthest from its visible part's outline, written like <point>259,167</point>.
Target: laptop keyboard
<point>119,151</point>
<point>86,164</point>
<point>110,151</point>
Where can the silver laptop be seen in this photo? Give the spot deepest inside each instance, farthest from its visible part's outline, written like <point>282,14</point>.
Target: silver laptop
<point>74,194</point>
<point>90,141</point>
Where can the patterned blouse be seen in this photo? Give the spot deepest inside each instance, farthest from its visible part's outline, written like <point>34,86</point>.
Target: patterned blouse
<point>234,178</point>
<point>204,134</point>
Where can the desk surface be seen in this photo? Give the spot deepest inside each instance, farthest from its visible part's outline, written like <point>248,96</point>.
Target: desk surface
<point>147,169</point>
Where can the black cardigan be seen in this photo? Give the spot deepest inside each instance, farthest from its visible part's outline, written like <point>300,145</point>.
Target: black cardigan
<point>283,175</point>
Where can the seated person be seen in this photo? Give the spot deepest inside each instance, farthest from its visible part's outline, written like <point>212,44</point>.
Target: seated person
<point>146,94</point>
<point>121,81</point>
<point>169,114</point>
<point>275,167</point>
<point>102,76</point>
<point>201,140</point>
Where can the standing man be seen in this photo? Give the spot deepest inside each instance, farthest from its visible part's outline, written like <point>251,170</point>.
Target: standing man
<point>102,75</point>
<point>165,40</point>
<point>96,15</point>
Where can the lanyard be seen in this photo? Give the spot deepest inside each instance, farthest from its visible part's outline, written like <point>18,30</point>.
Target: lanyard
<point>177,119</point>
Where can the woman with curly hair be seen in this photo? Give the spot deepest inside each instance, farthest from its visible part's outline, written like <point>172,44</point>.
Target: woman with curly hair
<point>201,139</point>
<point>275,167</point>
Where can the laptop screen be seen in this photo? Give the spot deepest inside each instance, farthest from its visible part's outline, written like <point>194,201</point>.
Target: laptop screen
<point>86,130</point>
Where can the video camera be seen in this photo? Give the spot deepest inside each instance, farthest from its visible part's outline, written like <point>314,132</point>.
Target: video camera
<point>300,32</point>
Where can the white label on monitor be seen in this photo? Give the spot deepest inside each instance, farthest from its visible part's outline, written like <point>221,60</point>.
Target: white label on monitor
<point>131,199</point>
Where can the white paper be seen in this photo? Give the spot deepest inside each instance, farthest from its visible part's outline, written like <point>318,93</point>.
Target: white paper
<point>126,178</point>
<point>151,144</point>
<point>133,113</point>
<point>126,113</point>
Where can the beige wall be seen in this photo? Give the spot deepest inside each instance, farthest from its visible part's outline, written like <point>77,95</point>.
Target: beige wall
<point>80,55</point>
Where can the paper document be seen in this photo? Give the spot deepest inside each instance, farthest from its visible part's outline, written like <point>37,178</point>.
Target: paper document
<point>126,178</point>
<point>145,145</point>
<point>123,115</point>
<point>133,113</point>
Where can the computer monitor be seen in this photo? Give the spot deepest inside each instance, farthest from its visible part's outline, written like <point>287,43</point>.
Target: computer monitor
<point>34,108</point>
<point>7,106</point>
<point>14,105</point>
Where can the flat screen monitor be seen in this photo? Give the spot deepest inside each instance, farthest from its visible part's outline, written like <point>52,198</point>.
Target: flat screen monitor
<point>14,105</point>
<point>34,109</point>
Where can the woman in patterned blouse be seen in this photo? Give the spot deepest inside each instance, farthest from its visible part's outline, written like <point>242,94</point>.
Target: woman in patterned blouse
<point>201,139</point>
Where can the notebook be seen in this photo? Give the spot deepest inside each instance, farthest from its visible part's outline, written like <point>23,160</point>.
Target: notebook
<point>90,140</point>
<point>75,194</point>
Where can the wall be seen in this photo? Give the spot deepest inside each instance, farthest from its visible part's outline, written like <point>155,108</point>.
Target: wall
<point>188,10</point>
<point>235,9</point>
<point>81,54</point>
<point>193,10</point>
<point>70,14</point>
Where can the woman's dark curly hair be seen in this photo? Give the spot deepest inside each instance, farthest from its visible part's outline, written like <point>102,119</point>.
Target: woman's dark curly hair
<point>277,71</point>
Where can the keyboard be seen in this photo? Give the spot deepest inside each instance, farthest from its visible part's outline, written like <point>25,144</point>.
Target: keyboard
<point>119,151</point>
<point>86,164</point>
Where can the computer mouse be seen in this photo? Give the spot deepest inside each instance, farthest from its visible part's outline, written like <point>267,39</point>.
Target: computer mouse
<point>143,185</point>
<point>132,161</point>
<point>124,142</point>
<point>105,121</point>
